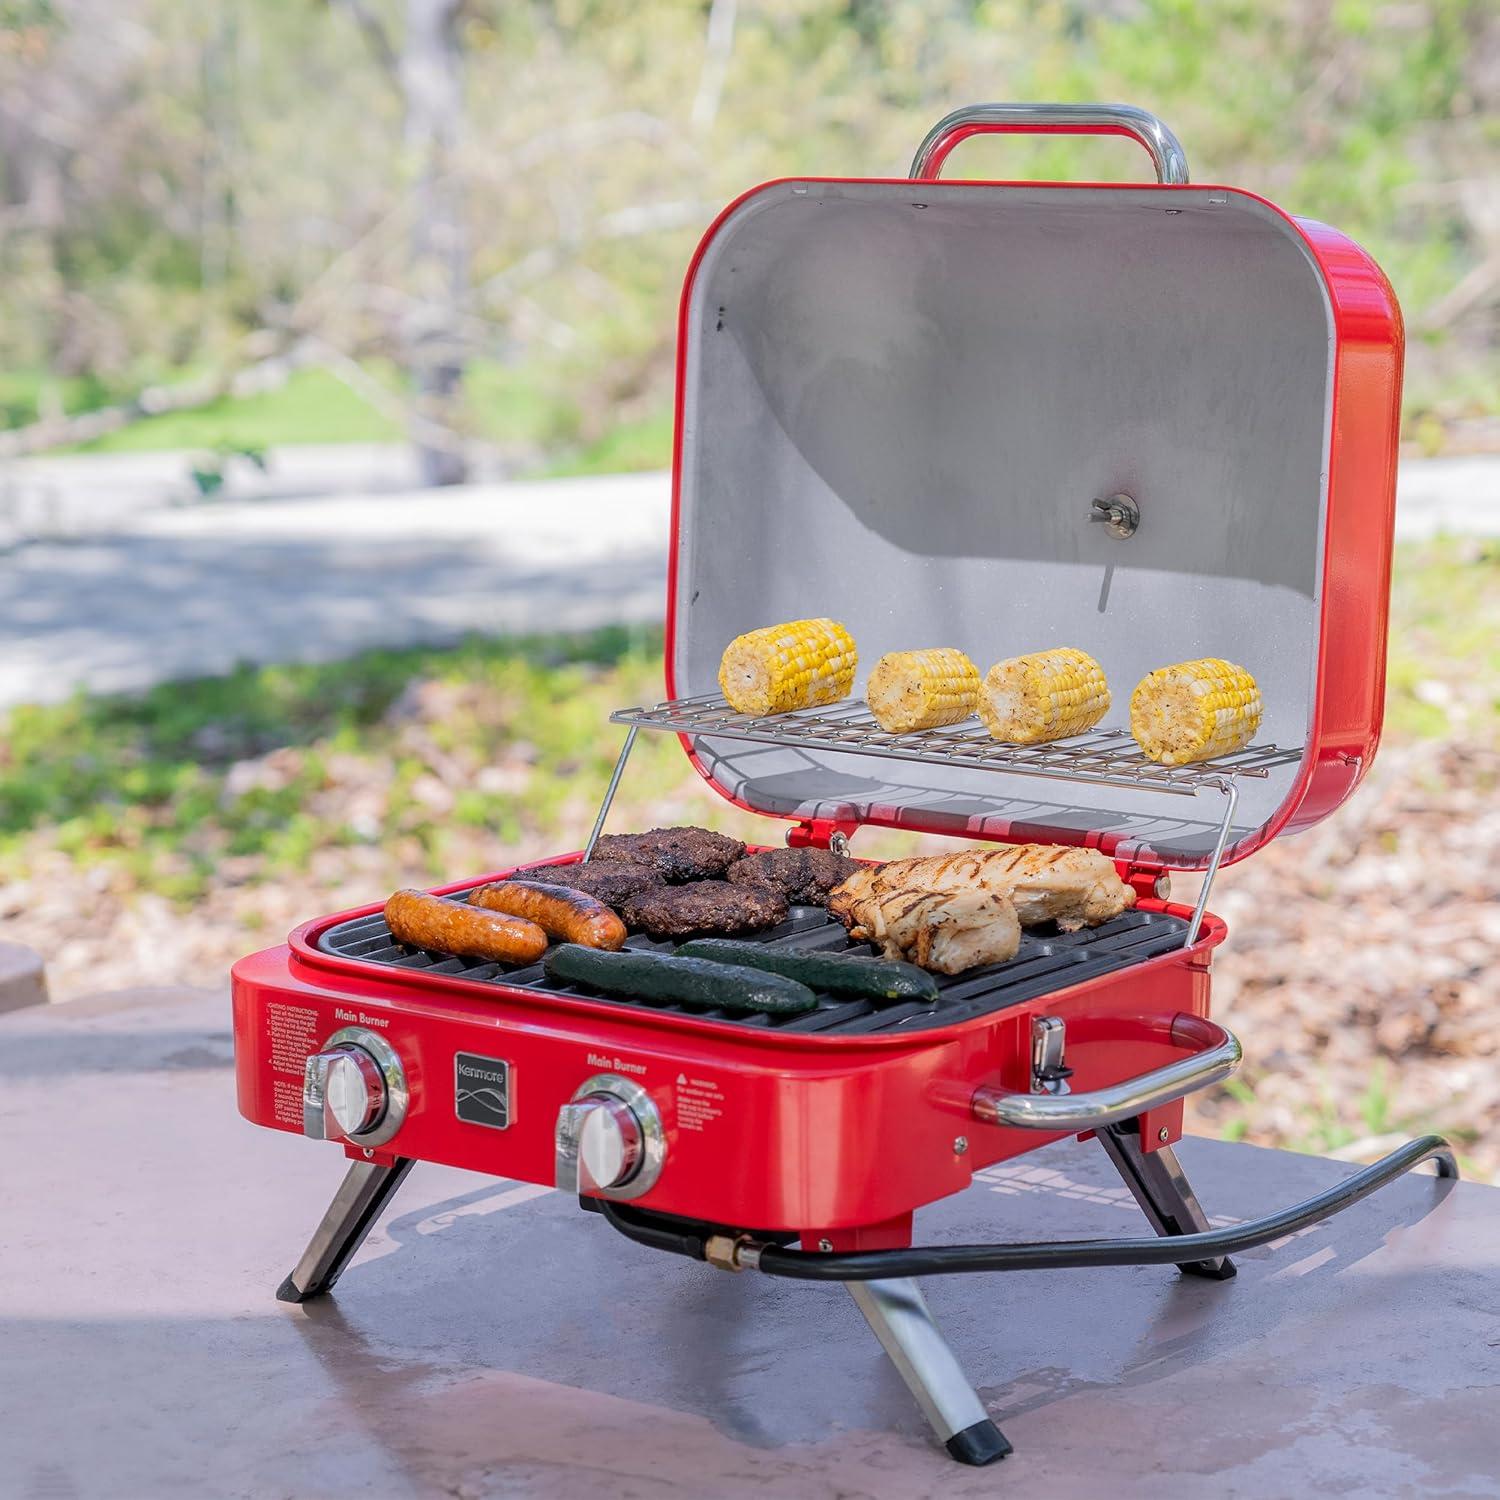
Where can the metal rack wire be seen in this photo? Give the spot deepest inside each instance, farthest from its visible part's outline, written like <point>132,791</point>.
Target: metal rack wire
<point>1103,757</point>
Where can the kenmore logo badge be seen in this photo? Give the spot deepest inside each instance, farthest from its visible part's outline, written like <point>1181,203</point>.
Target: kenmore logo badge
<point>481,1090</point>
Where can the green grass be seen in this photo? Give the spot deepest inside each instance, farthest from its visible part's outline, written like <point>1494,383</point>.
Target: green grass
<point>627,449</point>
<point>1325,1125</point>
<point>312,407</point>
<point>520,407</point>
<point>1431,400</point>
<point>1444,665</point>
<point>146,784</point>
<point>517,409</point>
<point>26,395</point>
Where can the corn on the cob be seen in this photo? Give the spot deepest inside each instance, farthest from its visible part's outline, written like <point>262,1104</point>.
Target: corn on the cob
<point>922,689</point>
<point>781,667</point>
<point>1046,695</point>
<point>1195,710</point>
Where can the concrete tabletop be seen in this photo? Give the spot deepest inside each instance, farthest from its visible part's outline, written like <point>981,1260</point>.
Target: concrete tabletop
<point>492,1340</point>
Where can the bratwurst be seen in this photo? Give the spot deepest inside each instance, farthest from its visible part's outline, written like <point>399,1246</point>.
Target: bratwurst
<point>467,931</point>
<point>561,912</point>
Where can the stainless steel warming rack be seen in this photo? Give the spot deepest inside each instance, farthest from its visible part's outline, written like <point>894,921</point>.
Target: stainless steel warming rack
<point>1103,757</point>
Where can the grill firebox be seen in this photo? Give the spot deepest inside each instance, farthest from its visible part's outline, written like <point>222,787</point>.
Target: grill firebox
<point>1048,960</point>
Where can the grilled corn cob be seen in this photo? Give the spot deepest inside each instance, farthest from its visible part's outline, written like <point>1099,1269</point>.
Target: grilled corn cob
<point>922,689</point>
<point>1194,710</point>
<point>1046,695</point>
<point>782,667</point>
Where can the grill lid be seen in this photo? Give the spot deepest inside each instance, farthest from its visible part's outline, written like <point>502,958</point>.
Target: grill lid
<point>898,402</point>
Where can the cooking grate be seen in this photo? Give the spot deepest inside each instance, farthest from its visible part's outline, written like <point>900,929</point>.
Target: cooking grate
<point>1048,960</point>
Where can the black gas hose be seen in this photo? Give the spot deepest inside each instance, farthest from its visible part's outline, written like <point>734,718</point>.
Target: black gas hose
<point>947,1260</point>
<point>649,1230</point>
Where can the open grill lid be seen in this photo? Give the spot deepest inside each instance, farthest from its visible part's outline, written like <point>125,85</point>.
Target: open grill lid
<point>897,403</point>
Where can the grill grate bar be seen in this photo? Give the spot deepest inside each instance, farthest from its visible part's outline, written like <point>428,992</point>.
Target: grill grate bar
<point>1048,960</point>
<point>1103,757</point>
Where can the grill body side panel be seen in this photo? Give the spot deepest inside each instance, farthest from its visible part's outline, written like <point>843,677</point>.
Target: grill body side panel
<point>763,1131</point>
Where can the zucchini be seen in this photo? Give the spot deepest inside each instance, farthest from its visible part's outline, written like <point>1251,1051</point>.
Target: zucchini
<point>688,981</point>
<point>837,973</point>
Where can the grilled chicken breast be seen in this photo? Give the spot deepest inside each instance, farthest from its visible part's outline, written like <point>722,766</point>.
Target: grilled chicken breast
<point>1042,882</point>
<point>950,931</point>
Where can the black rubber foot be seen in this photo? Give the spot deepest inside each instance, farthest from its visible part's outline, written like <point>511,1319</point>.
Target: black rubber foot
<point>287,1292</point>
<point>1226,1272</point>
<point>981,1444</point>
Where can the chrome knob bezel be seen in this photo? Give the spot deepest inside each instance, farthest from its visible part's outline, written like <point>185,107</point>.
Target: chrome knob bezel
<point>652,1153</point>
<point>397,1094</point>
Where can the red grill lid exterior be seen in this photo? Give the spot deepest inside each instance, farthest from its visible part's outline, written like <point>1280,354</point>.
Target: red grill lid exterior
<point>896,401</point>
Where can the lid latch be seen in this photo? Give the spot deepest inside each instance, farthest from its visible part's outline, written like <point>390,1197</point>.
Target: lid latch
<point>1049,1073</point>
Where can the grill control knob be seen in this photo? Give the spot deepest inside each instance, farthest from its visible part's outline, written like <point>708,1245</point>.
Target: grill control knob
<point>609,1140</point>
<point>354,1089</point>
<point>342,1093</point>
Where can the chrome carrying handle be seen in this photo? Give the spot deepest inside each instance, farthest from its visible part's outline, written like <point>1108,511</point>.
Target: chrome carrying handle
<point>1054,119</point>
<point>1217,1055</point>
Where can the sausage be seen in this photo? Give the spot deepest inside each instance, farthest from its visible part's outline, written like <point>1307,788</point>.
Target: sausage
<point>560,911</point>
<point>467,931</point>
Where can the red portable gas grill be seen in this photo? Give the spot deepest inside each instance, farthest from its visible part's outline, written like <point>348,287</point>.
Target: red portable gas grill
<point>1156,422</point>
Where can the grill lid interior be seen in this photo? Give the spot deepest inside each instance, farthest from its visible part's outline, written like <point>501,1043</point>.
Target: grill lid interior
<point>898,402</point>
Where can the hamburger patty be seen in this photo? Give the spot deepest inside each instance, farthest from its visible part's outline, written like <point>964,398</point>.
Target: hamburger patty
<point>613,884</point>
<point>673,911</point>
<point>801,875</point>
<point>676,854</point>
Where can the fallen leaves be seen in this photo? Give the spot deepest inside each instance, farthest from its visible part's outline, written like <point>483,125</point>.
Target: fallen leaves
<point>1362,969</point>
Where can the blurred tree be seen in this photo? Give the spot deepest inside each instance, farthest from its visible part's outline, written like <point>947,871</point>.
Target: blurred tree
<point>431,63</point>
<point>427,67</point>
<point>477,214</point>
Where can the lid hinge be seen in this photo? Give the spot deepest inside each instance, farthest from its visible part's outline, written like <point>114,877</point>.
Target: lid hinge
<point>1149,882</point>
<point>821,833</point>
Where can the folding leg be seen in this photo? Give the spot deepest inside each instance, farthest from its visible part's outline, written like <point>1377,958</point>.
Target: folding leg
<point>1161,1188</point>
<point>360,1200</point>
<point>898,1314</point>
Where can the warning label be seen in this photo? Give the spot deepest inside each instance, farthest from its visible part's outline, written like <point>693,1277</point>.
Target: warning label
<point>293,1033</point>
<point>699,1102</point>
<point>294,1037</point>
<point>286,1103</point>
